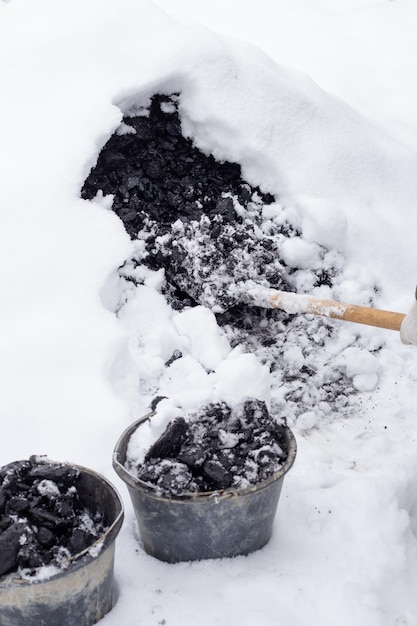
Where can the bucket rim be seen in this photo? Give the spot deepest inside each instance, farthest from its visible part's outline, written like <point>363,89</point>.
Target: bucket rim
<point>100,544</point>
<point>119,455</point>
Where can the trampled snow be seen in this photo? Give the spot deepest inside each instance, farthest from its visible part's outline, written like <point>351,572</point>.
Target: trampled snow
<point>327,123</point>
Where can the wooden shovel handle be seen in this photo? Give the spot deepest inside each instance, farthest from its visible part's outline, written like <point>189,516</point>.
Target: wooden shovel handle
<point>294,303</point>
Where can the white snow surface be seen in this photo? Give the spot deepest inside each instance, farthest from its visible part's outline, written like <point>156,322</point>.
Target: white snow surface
<point>316,99</point>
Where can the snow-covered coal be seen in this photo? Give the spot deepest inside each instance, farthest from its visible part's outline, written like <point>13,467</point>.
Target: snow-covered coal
<point>43,519</point>
<point>216,448</point>
<point>209,231</point>
<point>199,218</point>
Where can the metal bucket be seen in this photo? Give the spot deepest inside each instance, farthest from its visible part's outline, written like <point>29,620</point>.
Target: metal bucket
<point>83,593</point>
<point>198,526</point>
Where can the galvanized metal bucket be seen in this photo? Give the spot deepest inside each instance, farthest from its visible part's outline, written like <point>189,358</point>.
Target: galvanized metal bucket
<point>81,594</point>
<point>198,526</point>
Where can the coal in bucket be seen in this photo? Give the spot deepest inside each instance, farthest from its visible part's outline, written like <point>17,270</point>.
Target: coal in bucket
<point>80,593</point>
<point>194,526</point>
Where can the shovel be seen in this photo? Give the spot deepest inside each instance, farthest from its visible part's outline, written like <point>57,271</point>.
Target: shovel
<point>294,303</point>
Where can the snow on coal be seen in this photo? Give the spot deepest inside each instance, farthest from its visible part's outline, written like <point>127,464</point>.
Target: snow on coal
<point>216,448</point>
<point>43,520</point>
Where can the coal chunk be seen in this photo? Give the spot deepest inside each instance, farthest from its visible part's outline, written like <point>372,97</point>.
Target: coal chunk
<point>217,474</point>
<point>177,354</point>
<point>61,474</point>
<point>169,443</point>
<point>18,504</point>
<point>192,455</point>
<point>46,537</point>
<point>16,469</point>
<point>9,547</point>
<point>175,479</point>
<point>80,540</point>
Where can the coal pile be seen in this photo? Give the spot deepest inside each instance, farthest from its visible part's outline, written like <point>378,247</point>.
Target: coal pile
<point>199,219</point>
<point>43,520</point>
<point>209,230</point>
<point>216,449</point>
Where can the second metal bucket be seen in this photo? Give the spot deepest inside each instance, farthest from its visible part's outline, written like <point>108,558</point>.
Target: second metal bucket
<point>83,593</point>
<point>198,526</point>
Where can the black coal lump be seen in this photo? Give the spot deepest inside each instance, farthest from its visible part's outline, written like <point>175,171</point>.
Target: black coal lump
<point>9,547</point>
<point>216,474</point>
<point>169,443</point>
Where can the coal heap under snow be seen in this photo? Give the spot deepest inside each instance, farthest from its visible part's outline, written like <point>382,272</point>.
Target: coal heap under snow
<point>209,231</point>
<point>200,220</point>
<point>217,448</point>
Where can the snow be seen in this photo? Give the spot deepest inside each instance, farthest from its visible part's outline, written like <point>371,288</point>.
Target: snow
<point>408,330</point>
<point>48,488</point>
<point>209,348</point>
<point>316,100</point>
